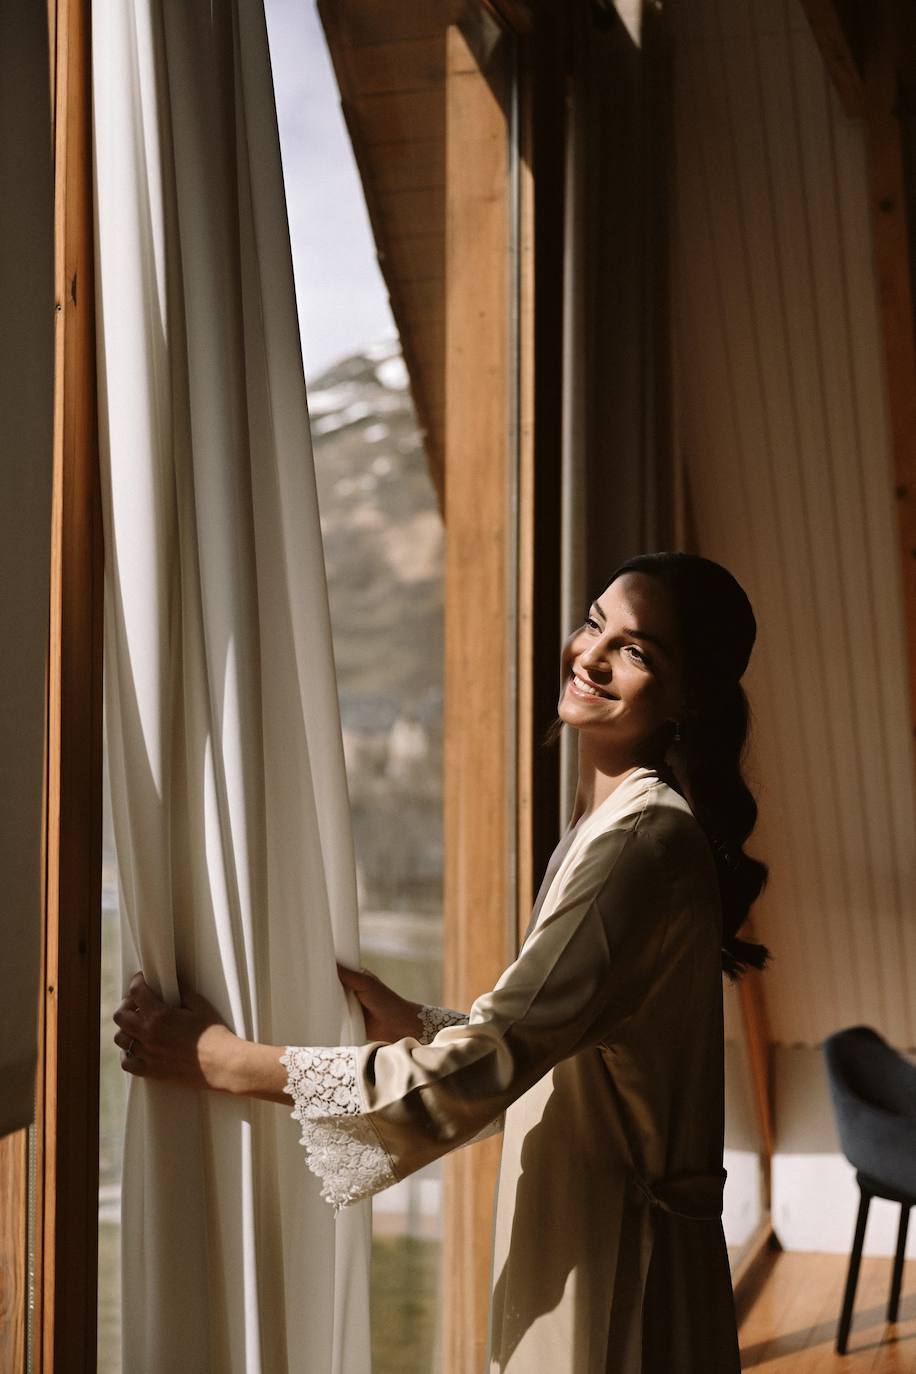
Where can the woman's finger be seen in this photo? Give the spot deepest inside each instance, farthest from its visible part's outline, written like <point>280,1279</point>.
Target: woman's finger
<point>358,979</point>
<point>127,1019</point>
<point>143,995</point>
<point>124,1040</point>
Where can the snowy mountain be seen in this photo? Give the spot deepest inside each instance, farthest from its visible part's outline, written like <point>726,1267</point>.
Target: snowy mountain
<point>383,542</point>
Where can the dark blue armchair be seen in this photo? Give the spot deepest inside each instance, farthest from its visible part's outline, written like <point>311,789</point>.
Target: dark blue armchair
<point>874,1100</point>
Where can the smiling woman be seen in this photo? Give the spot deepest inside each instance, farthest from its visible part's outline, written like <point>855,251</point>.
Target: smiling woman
<point>599,1051</point>
<point>603,661</point>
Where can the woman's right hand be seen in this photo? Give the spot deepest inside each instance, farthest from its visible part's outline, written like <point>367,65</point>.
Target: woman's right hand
<point>388,1016</point>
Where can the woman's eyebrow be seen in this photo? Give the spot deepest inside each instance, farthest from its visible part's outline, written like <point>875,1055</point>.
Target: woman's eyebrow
<point>633,633</point>
<point>649,638</point>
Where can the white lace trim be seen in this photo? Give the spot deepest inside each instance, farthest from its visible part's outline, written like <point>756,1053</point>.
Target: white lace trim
<point>341,1146</point>
<point>432,1020</point>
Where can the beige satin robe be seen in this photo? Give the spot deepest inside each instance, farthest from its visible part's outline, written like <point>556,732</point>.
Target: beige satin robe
<point>601,1047</point>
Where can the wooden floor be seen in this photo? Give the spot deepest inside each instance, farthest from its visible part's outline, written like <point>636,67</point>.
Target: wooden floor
<point>791,1324</point>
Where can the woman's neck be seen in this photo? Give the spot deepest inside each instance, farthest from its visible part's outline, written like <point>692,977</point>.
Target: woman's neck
<point>600,774</point>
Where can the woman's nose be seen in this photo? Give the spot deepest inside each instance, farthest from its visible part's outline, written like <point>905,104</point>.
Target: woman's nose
<point>594,657</point>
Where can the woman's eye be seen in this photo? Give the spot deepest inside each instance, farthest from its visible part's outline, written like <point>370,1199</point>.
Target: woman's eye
<point>592,623</point>
<point>642,658</point>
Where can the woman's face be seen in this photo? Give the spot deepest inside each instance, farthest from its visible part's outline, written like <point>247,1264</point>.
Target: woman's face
<point>621,671</point>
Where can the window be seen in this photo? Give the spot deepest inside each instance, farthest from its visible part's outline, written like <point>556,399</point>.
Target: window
<point>383,543</point>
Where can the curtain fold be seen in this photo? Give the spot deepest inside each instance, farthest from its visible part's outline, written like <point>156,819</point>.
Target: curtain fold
<point>228,786</point>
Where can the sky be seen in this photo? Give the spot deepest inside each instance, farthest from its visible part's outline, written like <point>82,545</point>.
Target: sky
<point>343,304</point>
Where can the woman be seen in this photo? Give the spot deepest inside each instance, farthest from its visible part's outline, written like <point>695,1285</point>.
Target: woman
<point>600,1049</point>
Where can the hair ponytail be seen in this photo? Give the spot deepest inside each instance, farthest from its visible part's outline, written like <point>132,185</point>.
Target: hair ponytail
<point>718,630</point>
<point>710,756</point>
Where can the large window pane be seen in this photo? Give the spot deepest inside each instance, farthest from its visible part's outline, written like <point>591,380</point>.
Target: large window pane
<point>383,543</point>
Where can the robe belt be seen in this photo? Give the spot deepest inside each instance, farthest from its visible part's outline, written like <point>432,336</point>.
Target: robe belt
<point>696,1197</point>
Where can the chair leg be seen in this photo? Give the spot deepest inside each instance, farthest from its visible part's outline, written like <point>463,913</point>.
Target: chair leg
<point>852,1277</point>
<point>896,1281</point>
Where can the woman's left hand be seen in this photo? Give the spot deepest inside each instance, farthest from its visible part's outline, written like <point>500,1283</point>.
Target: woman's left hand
<point>190,1044</point>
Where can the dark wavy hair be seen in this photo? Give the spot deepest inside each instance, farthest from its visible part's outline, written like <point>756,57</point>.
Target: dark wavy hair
<point>717,630</point>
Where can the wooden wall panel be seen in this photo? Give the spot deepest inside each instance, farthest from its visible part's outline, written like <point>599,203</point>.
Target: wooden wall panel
<point>890,88</point>
<point>787,437</point>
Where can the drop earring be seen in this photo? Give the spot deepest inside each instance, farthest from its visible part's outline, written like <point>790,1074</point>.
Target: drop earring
<point>677,730</point>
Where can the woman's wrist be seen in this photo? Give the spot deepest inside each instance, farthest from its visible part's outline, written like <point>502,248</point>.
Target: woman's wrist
<point>218,1051</point>
<point>250,1069</point>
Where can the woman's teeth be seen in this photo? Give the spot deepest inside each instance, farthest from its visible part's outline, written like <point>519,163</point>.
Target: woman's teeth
<point>587,688</point>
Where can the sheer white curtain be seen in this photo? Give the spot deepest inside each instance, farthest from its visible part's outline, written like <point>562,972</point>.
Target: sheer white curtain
<point>229,793</point>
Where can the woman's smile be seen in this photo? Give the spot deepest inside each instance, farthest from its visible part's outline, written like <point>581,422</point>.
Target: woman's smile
<point>587,690</point>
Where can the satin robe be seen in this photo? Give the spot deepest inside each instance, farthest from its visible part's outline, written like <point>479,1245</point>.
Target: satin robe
<point>600,1049</point>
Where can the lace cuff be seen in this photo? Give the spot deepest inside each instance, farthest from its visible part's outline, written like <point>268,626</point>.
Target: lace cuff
<point>341,1145</point>
<point>432,1020</point>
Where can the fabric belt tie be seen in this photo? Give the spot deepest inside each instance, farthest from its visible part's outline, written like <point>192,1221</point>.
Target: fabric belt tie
<point>696,1197</point>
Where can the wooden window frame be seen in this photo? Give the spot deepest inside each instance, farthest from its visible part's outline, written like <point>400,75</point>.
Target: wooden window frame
<point>502,801</point>
<point>502,508</point>
<point>64,1165</point>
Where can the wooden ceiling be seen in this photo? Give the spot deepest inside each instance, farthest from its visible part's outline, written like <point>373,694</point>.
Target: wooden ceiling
<point>389,59</point>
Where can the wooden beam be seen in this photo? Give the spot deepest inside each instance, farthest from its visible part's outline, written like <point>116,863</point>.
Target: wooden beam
<point>66,1182</point>
<point>399,116</point>
<point>410,166</point>
<point>892,231</point>
<point>361,22</point>
<point>385,68</point>
<point>406,211</point>
<point>835,30</point>
<point>479,649</point>
<point>398,138</point>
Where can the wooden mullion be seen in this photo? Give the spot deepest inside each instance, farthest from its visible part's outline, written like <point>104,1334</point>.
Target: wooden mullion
<point>479,924</point>
<point>66,1182</point>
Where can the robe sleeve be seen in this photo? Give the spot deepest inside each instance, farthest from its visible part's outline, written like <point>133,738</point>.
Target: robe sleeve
<point>432,1019</point>
<point>373,1114</point>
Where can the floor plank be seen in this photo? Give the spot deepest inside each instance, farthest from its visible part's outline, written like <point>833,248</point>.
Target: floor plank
<point>791,1327</point>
